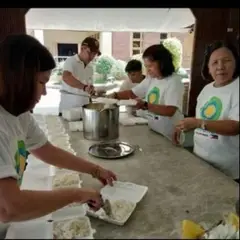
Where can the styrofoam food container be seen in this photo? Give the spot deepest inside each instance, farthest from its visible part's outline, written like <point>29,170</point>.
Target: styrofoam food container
<point>105,100</point>
<point>42,229</point>
<point>62,137</point>
<point>77,184</point>
<point>127,102</point>
<point>73,114</point>
<point>91,230</point>
<point>30,230</point>
<point>76,126</point>
<point>120,191</point>
<point>55,170</point>
<point>70,211</point>
<point>31,181</point>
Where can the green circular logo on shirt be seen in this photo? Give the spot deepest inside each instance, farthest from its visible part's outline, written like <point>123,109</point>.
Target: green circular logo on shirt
<point>212,109</point>
<point>154,96</point>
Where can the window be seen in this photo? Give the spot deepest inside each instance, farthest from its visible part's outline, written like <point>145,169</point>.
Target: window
<point>163,36</point>
<point>137,39</point>
<point>137,35</point>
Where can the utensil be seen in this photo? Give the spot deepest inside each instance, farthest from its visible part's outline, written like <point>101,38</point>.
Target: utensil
<point>95,95</point>
<point>106,106</point>
<point>211,228</point>
<point>107,207</point>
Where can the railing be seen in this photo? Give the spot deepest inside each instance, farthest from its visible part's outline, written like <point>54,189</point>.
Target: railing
<point>59,59</point>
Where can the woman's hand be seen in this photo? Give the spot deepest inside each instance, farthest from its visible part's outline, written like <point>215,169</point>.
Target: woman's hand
<point>176,135</point>
<point>188,124</point>
<point>140,104</point>
<point>92,197</point>
<point>104,176</point>
<point>112,95</point>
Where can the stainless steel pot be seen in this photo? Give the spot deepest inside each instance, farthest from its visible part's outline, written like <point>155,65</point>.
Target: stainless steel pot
<point>100,125</point>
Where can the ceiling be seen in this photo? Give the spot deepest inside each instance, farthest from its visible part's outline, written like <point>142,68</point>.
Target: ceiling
<point>111,19</point>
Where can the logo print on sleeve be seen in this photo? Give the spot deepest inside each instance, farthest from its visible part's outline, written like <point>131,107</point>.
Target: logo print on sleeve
<point>20,160</point>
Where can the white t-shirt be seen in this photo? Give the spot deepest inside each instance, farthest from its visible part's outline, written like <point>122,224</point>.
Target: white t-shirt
<point>167,91</point>
<point>17,136</point>
<point>80,72</point>
<point>218,104</point>
<point>127,85</point>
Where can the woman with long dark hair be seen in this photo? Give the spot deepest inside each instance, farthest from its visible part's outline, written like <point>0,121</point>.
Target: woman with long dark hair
<point>25,68</point>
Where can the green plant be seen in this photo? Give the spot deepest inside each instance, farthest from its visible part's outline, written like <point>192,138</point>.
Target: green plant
<point>58,71</point>
<point>103,64</point>
<point>175,47</point>
<point>118,70</point>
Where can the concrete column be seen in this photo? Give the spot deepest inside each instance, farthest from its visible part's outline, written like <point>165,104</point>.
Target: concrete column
<point>39,35</point>
<point>211,25</point>
<point>106,43</point>
<point>12,21</point>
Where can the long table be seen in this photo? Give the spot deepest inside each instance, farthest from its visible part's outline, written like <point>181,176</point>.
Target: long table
<point>181,186</point>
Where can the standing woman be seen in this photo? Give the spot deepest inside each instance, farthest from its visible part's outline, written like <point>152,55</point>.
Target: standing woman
<point>216,125</point>
<point>25,68</point>
<point>162,90</point>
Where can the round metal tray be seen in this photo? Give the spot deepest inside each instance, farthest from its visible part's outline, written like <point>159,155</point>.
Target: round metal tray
<point>113,150</point>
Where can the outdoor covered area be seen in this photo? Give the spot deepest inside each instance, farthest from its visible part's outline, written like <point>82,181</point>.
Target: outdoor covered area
<point>176,194</point>
<point>210,24</point>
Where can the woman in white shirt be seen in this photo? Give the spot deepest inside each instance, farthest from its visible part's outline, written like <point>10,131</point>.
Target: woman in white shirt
<point>216,125</point>
<point>25,67</point>
<point>162,90</point>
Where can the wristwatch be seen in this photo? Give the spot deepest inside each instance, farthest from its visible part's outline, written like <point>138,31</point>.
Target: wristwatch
<point>203,125</point>
<point>145,106</point>
<point>115,96</point>
<point>84,88</point>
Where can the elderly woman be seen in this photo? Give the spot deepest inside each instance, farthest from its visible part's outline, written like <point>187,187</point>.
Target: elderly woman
<point>25,67</point>
<point>162,90</point>
<point>216,125</point>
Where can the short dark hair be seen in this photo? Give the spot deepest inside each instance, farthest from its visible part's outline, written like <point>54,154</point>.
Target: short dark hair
<point>161,55</point>
<point>133,66</point>
<point>21,58</point>
<point>208,52</point>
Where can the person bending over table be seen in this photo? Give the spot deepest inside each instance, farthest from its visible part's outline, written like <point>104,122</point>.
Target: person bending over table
<point>162,90</point>
<point>135,76</point>
<point>216,125</point>
<point>77,77</point>
<point>26,65</point>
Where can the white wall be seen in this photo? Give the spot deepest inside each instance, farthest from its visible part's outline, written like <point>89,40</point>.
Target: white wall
<point>106,43</point>
<point>39,35</point>
<point>53,37</point>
